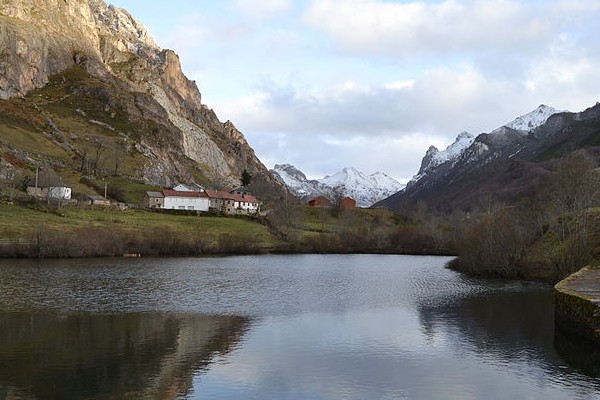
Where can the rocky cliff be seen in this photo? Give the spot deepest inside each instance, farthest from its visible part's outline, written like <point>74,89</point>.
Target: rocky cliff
<point>93,63</point>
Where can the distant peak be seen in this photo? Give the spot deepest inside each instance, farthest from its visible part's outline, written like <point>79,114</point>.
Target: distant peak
<point>533,119</point>
<point>432,150</point>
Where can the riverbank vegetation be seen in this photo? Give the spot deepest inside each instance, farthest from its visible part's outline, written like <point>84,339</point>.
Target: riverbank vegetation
<point>38,230</point>
<point>547,234</point>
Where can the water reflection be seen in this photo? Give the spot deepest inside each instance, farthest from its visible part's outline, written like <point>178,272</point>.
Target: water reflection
<point>578,352</point>
<point>136,356</point>
<point>313,327</point>
<point>503,322</point>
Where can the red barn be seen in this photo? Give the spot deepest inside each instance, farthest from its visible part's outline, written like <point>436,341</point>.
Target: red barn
<point>347,202</point>
<point>320,201</point>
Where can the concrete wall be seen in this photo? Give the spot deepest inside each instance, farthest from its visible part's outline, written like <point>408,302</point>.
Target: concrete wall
<point>576,302</point>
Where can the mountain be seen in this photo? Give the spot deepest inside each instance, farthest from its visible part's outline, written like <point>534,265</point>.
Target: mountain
<point>502,164</point>
<point>365,189</point>
<point>433,157</point>
<point>85,90</point>
<point>295,179</point>
<point>532,120</point>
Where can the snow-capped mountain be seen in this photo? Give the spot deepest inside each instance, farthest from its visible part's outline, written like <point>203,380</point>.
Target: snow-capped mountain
<point>365,189</point>
<point>433,157</point>
<point>501,163</point>
<point>524,124</point>
<point>295,179</point>
<point>532,120</point>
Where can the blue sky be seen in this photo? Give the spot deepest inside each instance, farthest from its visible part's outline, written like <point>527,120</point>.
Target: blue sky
<point>325,84</point>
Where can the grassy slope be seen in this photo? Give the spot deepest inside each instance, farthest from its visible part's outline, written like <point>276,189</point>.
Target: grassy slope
<point>315,229</point>
<point>24,222</point>
<point>54,126</point>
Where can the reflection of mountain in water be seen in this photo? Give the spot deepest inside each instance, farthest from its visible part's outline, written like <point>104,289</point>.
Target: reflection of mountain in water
<point>124,356</point>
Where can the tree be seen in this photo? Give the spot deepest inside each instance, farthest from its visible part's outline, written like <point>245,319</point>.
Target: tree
<point>574,191</point>
<point>246,177</point>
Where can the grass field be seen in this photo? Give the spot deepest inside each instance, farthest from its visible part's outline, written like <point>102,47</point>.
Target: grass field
<point>19,222</point>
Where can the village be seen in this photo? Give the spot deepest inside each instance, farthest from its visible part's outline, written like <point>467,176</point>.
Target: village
<point>47,185</point>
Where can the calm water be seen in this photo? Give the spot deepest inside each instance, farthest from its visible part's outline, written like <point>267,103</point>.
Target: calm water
<point>280,327</point>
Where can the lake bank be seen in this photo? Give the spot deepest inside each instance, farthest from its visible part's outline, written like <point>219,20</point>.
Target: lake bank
<point>38,231</point>
<point>577,304</point>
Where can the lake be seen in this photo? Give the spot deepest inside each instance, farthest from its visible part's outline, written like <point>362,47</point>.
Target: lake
<point>281,327</point>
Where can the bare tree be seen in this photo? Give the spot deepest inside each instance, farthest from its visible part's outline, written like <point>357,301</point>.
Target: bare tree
<point>574,191</point>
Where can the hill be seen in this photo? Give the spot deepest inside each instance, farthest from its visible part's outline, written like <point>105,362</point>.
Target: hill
<point>85,90</point>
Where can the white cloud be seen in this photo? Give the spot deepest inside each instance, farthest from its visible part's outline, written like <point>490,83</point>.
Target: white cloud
<point>375,82</point>
<point>408,29</point>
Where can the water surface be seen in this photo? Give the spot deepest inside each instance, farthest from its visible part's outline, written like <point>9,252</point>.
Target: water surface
<point>280,327</point>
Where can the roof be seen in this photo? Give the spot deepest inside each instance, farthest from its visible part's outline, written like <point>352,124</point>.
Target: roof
<point>96,197</point>
<point>320,198</point>
<point>154,194</point>
<point>221,194</point>
<point>46,177</point>
<point>176,193</point>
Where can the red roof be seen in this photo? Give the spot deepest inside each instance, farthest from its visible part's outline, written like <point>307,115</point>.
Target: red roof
<point>177,193</point>
<point>220,194</point>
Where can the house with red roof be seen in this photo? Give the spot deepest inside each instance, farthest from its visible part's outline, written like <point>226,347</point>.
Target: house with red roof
<point>185,200</point>
<point>233,203</point>
<point>319,201</point>
<point>347,202</point>
<point>220,201</point>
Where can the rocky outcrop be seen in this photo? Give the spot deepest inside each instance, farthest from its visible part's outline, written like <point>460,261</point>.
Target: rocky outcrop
<point>42,38</point>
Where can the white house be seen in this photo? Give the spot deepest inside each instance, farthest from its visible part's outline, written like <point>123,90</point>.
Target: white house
<point>47,184</point>
<point>185,200</point>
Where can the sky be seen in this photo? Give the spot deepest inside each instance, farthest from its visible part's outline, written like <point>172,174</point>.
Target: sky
<point>371,84</point>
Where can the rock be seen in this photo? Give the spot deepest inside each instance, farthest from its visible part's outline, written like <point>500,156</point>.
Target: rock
<point>41,38</point>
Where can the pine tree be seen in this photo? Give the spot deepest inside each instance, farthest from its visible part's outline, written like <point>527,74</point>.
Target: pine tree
<point>246,177</point>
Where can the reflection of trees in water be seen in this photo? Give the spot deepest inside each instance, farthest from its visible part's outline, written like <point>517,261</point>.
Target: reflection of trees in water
<point>502,324</point>
<point>511,327</point>
<point>101,356</point>
<point>578,352</point>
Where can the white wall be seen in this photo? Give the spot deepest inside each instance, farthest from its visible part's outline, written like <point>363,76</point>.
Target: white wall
<point>186,203</point>
<point>59,193</point>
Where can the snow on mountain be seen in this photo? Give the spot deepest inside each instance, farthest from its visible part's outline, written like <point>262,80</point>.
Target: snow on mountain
<point>525,123</point>
<point>365,189</point>
<point>295,179</point>
<point>533,119</point>
<point>434,157</point>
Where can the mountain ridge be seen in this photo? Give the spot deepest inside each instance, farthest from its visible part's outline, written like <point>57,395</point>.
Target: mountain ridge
<point>365,189</point>
<point>503,163</point>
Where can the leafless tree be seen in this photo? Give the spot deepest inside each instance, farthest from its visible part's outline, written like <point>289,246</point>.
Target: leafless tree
<point>574,191</point>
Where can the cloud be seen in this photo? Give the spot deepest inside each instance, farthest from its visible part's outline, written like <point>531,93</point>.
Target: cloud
<point>374,83</point>
<point>408,29</point>
<point>389,126</point>
<point>435,102</point>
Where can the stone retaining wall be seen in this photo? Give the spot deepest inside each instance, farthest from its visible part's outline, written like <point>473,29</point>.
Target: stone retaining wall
<point>576,301</point>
